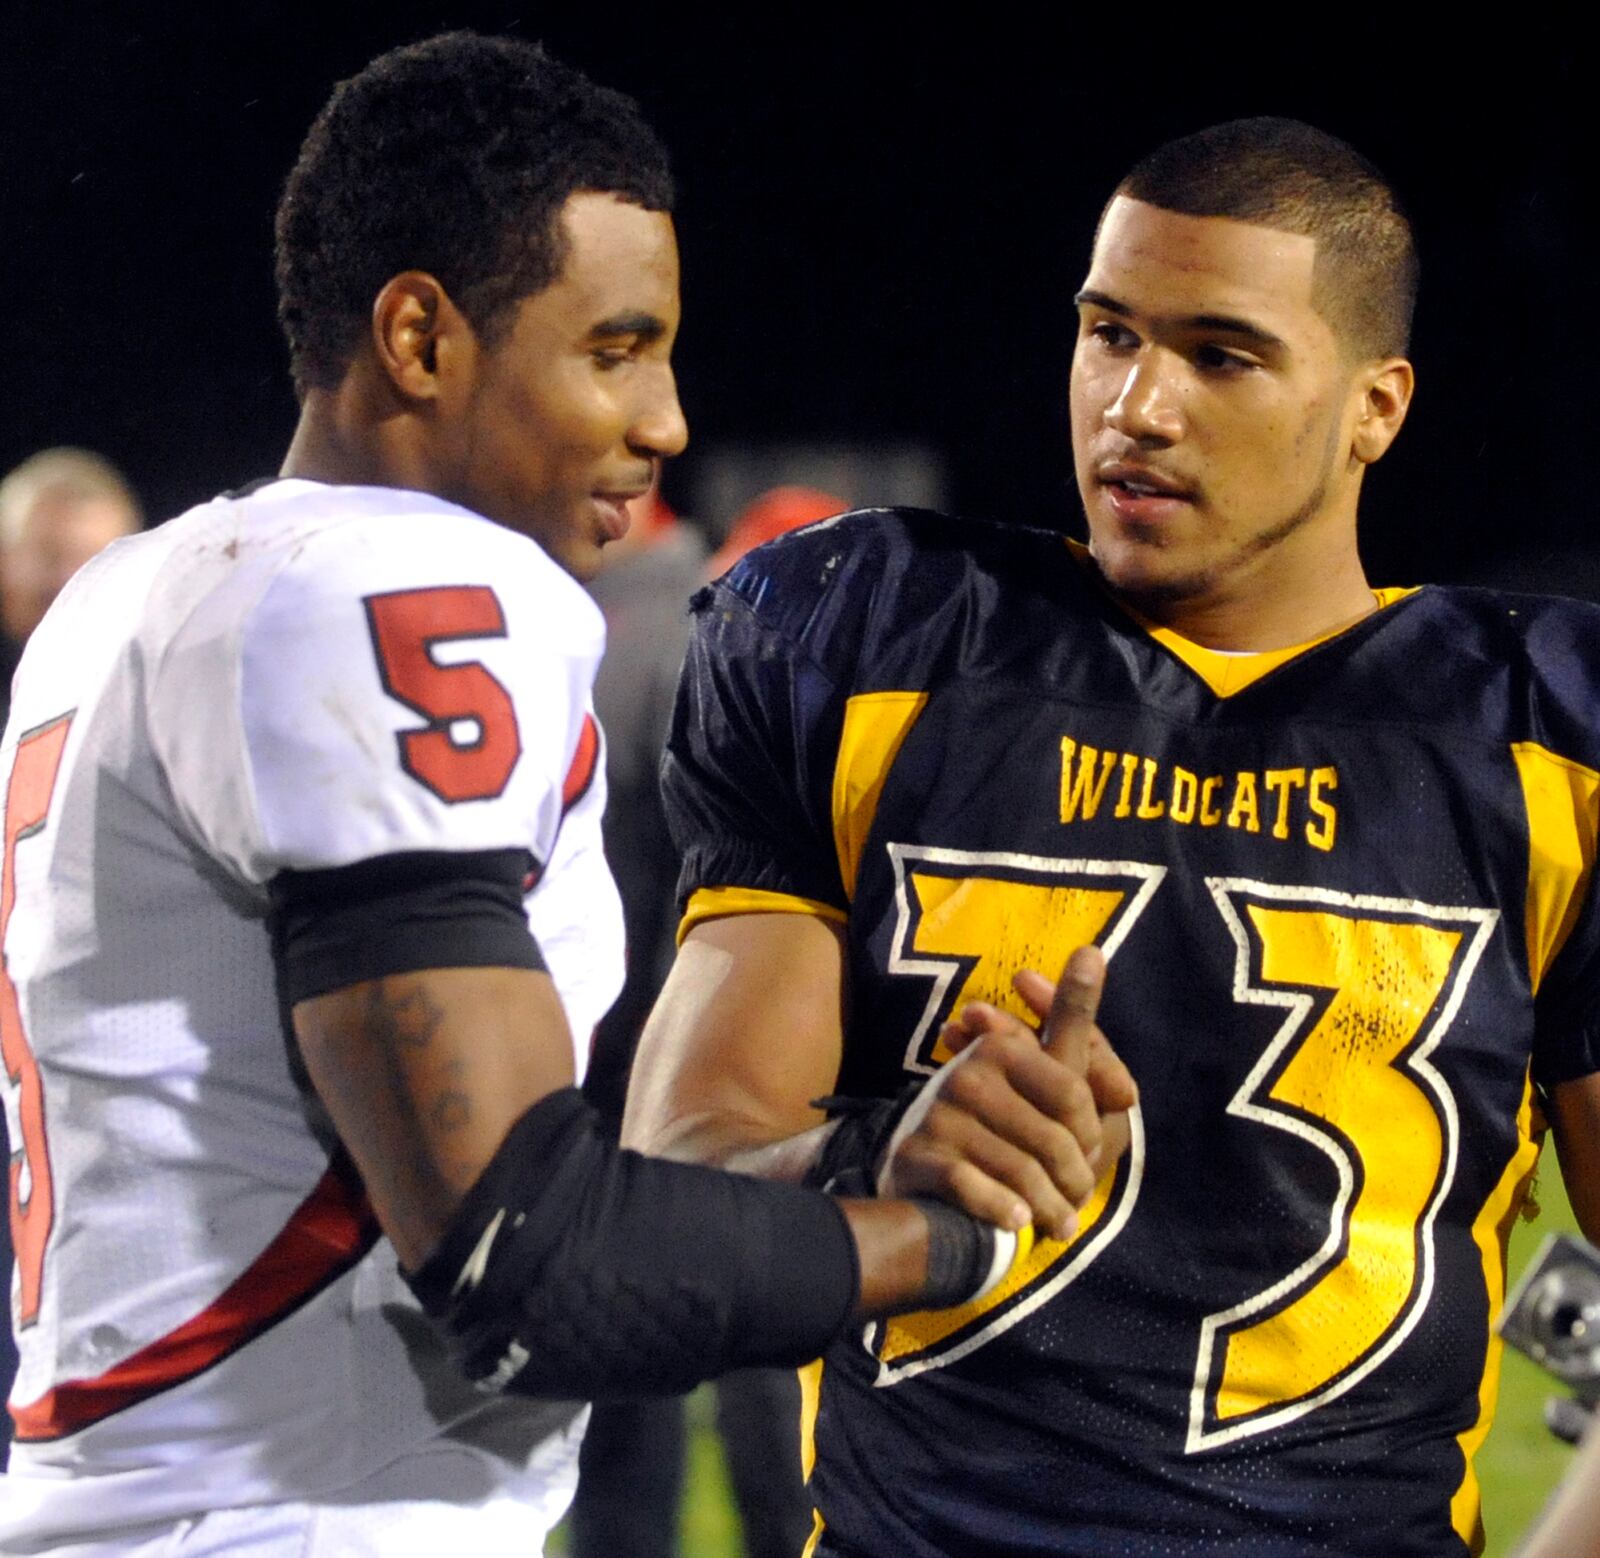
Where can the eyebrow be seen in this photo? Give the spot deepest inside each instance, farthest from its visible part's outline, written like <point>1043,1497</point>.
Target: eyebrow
<point>641,324</point>
<point>1223,324</point>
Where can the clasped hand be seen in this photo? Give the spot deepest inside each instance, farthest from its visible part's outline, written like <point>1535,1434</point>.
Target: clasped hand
<point>1021,1125</point>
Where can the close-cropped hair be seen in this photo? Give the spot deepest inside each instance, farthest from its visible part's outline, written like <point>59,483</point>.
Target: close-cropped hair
<point>452,156</point>
<point>1291,176</point>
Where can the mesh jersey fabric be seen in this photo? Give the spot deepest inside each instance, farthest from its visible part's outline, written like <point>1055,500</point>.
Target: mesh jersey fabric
<point>1348,909</point>
<point>303,677</point>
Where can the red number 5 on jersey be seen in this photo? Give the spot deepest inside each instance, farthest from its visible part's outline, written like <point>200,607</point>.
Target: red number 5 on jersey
<point>33,780</point>
<point>471,764</point>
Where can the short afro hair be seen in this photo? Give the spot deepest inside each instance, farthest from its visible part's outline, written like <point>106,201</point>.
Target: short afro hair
<point>1291,176</point>
<point>452,156</point>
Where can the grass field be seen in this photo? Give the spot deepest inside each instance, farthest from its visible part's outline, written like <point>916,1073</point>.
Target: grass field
<point>1519,1465</point>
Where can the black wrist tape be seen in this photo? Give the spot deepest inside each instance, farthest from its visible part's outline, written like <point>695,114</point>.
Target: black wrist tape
<point>853,1153</point>
<point>961,1252</point>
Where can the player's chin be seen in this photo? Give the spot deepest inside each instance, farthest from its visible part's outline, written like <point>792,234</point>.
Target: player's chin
<point>1124,557</point>
<point>582,559</point>
<point>1152,574</point>
<point>576,547</point>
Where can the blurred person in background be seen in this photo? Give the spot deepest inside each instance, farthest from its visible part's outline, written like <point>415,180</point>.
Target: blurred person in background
<point>631,1465</point>
<point>633,1456</point>
<point>643,591</point>
<point>57,509</point>
<point>774,513</point>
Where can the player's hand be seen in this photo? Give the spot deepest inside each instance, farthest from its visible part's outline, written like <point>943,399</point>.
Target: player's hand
<point>1012,1128</point>
<point>1069,1009</point>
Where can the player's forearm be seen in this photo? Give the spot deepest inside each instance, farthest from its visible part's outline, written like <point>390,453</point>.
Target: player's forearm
<point>422,1079</point>
<point>1570,1524</point>
<point>744,1035</point>
<point>574,1268</point>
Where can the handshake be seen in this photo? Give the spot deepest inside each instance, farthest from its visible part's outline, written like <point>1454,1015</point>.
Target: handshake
<point>1015,1131</point>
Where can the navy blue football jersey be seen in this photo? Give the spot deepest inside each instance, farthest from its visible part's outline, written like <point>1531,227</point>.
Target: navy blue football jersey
<point>1344,891</point>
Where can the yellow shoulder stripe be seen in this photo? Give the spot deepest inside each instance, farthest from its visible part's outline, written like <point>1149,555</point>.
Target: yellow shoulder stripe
<point>876,724</point>
<point>1562,799</point>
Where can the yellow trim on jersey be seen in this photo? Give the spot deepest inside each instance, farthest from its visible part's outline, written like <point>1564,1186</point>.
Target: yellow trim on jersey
<point>709,903</point>
<point>810,1402</point>
<point>1223,672</point>
<point>875,725</point>
<point>1562,799</point>
<point>1490,1231</point>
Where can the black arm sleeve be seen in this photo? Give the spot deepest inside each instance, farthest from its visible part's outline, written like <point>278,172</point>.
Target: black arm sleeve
<point>397,914</point>
<point>577,1269</point>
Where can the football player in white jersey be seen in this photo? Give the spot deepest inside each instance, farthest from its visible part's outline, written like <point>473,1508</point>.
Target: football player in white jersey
<point>306,921</point>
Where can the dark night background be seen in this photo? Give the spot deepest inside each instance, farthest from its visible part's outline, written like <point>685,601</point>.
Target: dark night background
<point>882,230</point>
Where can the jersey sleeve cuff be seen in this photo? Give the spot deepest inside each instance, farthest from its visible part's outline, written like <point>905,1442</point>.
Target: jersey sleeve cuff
<point>399,914</point>
<point>710,903</point>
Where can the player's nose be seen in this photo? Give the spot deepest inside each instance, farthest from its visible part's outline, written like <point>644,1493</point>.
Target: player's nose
<point>1147,405</point>
<point>659,427</point>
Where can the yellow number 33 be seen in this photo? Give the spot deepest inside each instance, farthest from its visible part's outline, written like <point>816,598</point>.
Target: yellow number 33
<point>1368,987</point>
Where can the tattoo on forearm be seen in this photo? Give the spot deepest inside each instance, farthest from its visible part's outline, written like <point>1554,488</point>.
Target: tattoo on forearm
<point>410,1019</point>
<point>403,1089</point>
<point>402,1022</point>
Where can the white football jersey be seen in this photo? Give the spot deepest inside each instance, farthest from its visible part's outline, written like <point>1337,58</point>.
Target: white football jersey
<point>301,677</point>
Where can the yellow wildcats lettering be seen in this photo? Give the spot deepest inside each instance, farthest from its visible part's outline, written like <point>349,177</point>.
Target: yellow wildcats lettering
<point>1082,795</point>
<point>1279,803</point>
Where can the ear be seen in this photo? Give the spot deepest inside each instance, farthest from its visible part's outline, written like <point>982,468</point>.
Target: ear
<point>1385,387</point>
<point>420,338</point>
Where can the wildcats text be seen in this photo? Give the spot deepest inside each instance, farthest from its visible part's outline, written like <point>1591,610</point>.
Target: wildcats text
<point>1282,803</point>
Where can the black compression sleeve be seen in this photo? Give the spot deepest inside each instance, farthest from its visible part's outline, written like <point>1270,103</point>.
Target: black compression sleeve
<point>577,1269</point>
<point>397,914</point>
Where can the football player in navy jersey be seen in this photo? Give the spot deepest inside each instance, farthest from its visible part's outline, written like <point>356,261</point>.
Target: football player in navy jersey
<point>1337,843</point>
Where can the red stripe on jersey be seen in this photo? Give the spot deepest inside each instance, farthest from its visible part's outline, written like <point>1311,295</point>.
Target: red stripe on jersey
<point>575,786</point>
<point>581,775</point>
<point>329,1232</point>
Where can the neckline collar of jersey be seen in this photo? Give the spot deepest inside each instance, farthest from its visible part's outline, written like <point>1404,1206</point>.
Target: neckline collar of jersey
<point>1227,671</point>
<point>400,500</point>
<point>250,488</point>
